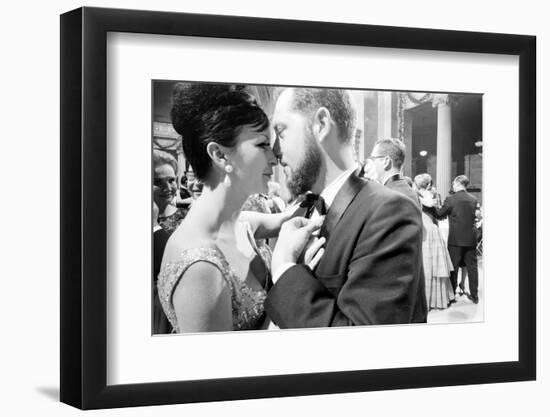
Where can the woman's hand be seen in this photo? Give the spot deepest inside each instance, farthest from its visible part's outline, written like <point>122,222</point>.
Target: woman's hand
<point>427,201</point>
<point>290,211</point>
<point>265,226</point>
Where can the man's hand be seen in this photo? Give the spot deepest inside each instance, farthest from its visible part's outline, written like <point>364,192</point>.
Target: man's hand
<point>293,238</point>
<point>314,251</point>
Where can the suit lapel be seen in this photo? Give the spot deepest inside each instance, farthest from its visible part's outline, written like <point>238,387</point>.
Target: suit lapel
<point>343,199</point>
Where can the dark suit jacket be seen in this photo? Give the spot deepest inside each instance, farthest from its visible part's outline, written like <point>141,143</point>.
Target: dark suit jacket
<point>460,207</point>
<point>161,325</point>
<point>370,272</point>
<point>400,185</point>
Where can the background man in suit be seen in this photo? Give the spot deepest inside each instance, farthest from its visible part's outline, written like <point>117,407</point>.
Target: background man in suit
<point>161,324</point>
<point>370,272</point>
<point>385,166</point>
<point>460,208</point>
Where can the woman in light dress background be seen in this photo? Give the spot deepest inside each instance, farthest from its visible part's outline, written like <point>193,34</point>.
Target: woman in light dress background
<point>213,275</point>
<point>436,258</point>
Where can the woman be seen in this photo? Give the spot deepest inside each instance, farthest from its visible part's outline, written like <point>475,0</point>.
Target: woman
<point>437,262</point>
<point>165,188</point>
<point>213,277</point>
<point>166,218</point>
<point>276,202</point>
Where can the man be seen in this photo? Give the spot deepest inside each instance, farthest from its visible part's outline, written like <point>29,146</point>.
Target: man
<point>161,325</point>
<point>370,271</point>
<point>460,208</point>
<point>385,166</point>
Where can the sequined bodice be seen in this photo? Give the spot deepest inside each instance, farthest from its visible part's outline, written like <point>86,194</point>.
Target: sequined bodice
<point>247,304</point>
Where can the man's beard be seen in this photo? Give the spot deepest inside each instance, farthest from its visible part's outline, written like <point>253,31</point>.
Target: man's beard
<point>304,176</point>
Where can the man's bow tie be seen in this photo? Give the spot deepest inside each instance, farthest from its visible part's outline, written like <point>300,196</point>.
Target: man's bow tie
<point>312,202</point>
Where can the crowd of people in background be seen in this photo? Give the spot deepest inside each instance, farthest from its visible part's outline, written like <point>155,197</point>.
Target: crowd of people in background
<point>442,257</point>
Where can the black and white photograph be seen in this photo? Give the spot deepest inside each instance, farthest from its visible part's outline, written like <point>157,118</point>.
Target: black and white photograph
<point>296,207</point>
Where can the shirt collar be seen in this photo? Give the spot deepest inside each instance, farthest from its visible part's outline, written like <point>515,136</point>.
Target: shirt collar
<point>392,178</point>
<point>330,191</point>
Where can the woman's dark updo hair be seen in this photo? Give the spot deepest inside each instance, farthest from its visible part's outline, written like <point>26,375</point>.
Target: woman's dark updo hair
<point>203,113</point>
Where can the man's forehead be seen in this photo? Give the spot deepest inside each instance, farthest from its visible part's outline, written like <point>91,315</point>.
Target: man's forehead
<point>375,150</point>
<point>284,101</point>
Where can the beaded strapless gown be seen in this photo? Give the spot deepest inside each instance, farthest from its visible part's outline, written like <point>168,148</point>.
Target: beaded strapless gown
<point>247,304</point>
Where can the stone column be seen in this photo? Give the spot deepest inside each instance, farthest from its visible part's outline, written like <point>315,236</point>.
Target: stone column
<point>384,114</point>
<point>444,141</point>
<point>359,142</point>
<point>407,139</point>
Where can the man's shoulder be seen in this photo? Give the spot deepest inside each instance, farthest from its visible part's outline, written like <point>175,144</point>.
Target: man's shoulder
<point>464,196</point>
<point>376,194</point>
<point>471,196</point>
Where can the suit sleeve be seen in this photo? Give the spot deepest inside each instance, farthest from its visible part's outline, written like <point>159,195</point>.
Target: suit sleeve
<point>382,277</point>
<point>444,210</point>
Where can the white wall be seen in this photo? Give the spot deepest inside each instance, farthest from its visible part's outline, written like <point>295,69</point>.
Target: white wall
<point>30,210</point>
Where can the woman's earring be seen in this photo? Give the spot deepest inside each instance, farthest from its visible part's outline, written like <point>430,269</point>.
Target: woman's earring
<point>228,170</point>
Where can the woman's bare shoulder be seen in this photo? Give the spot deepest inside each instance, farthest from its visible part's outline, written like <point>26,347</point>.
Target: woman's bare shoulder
<point>187,236</point>
<point>203,277</point>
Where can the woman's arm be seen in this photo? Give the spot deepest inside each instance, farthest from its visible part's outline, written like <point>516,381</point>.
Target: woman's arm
<point>265,225</point>
<point>426,198</point>
<point>202,300</point>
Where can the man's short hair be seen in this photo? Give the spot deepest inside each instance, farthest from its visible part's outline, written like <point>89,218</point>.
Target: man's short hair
<point>338,102</point>
<point>462,180</point>
<point>394,149</point>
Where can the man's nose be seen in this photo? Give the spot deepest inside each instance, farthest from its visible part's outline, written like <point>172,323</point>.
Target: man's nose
<point>272,158</point>
<point>277,149</point>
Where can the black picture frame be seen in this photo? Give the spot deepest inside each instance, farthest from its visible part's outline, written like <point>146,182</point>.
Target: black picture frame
<point>84,207</point>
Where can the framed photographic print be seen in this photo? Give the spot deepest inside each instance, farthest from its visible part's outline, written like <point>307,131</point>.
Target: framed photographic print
<point>352,196</point>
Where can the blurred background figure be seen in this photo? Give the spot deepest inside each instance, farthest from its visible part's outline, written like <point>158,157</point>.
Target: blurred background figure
<point>165,188</point>
<point>184,198</point>
<point>436,259</point>
<point>276,203</point>
<point>385,165</point>
<point>258,203</point>
<point>461,208</point>
<point>196,190</point>
<point>167,216</point>
<point>161,325</point>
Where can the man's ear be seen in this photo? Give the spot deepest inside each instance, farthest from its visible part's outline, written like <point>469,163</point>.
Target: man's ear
<point>216,154</point>
<point>388,164</point>
<point>322,123</point>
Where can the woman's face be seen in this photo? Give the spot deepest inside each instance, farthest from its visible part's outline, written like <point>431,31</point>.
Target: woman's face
<point>164,185</point>
<point>252,159</point>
